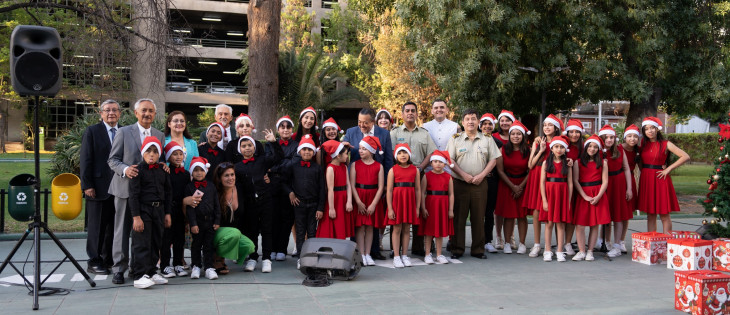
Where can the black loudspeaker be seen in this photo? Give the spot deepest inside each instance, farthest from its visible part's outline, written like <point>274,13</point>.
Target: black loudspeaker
<point>338,258</point>
<point>35,60</point>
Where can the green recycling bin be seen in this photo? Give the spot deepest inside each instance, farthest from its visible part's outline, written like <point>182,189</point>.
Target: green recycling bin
<point>21,198</point>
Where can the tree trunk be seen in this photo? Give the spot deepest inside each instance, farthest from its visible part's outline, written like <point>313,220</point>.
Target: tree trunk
<point>640,109</point>
<point>263,59</point>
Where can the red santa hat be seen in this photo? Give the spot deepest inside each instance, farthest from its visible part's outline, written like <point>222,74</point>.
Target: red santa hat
<point>519,126</point>
<point>489,117</point>
<point>306,142</point>
<point>652,121</point>
<point>561,140</point>
<point>333,147</point>
<point>151,141</point>
<point>574,124</point>
<point>242,118</point>
<point>402,147</point>
<point>330,122</point>
<point>595,139</point>
<point>607,130</point>
<point>219,125</point>
<point>245,138</point>
<point>387,112</point>
<point>555,121</point>
<point>170,147</point>
<point>372,144</point>
<point>442,156</point>
<point>632,129</point>
<point>508,114</point>
<point>201,162</point>
<point>283,119</point>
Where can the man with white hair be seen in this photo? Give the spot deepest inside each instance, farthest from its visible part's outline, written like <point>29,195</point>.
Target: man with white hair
<point>223,115</point>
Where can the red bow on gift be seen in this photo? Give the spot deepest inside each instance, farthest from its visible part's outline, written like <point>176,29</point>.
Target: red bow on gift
<point>247,160</point>
<point>198,184</point>
<point>307,164</point>
<point>213,151</point>
<point>284,142</point>
<point>179,170</point>
<point>154,166</point>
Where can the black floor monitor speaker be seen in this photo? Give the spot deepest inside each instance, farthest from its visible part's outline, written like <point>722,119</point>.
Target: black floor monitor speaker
<point>35,60</point>
<point>339,258</point>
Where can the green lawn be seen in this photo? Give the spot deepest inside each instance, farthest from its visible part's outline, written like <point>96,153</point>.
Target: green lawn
<point>27,155</point>
<point>691,179</point>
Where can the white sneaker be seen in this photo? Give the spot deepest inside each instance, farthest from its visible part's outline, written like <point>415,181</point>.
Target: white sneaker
<point>535,251</point>
<point>560,256</point>
<point>547,255</point>
<point>489,248</point>
<point>569,249</point>
<point>428,259</point>
<point>442,259</point>
<point>589,256</point>
<point>157,279</point>
<point>294,252</point>
<point>397,262</point>
<point>210,274</point>
<point>195,274</point>
<point>250,265</point>
<point>280,256</point>
<point>169,272</point>
<point>522,249</point>
<point>499,243</point>
<point>623,247</point>
<point>598,244</point>
<point>406,261</point>
<point>507,249</point>
<point>180,271</point>
<point>579,256</point>
<point>298,265</point>
<point>266,266</point>
<point>369,260</point>
<point>364,260</point>
<point>614,252</point>
<point>144,282</point>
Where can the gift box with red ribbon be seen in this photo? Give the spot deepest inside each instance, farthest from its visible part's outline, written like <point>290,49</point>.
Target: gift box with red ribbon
<point>649,248</point>
<point>689,254</point>
<point>701,292</point>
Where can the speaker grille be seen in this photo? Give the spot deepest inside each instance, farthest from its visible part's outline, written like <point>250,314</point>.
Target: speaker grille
<point>36,71</point>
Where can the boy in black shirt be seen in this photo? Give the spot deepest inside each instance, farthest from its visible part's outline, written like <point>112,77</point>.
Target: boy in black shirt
<point>204,218</point>
<point>284,213</point>
<point>175,235</point>
<point>149,210</point>
<point>210,150</point>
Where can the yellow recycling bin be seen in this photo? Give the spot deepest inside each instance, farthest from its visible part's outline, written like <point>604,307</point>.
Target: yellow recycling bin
<point>66,196</point>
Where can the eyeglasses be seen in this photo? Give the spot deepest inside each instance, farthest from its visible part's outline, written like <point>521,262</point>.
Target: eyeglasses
<point>177,121</point>
<point>114,110</point>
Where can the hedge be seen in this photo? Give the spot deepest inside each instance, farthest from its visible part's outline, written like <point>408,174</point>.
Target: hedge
<point>701,147</point>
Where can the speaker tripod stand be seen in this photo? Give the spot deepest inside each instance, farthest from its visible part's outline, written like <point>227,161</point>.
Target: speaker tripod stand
<point>36,227</point>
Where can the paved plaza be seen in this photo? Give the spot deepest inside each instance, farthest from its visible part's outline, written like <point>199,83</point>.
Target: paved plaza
<point>502,284</point>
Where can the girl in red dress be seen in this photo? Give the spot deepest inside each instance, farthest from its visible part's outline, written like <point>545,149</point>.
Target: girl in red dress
<point>619,189</point>
<point>366,178</point>
<point>574,130</point>
<point>551,127</point>
<point>512,169</point>
<point>403,204</point>
<point>631,150</point>
<point>590,179</point>
<point>656,191</point>
<point>501,137</point>
<point>437,205</point>
<point>556,191</point>
<point>331,131</point>
<point>339,199</point>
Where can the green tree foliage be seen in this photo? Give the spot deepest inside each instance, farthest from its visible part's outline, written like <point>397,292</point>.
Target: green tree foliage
<point>717,200</point>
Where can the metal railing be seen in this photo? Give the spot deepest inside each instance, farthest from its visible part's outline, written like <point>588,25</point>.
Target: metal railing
<point>205,42</point>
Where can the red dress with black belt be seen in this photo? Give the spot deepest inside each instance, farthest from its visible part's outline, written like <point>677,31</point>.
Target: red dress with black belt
<point>336,228</point>
<point>438,223</point>
<point>532,199</point>
<point>556,192</point>
<point>584,213</point>
<point>515,167</point>
<point>656,196</point>
<point>632,156</point>
<point>616,192</point>
<point>404,195</point>
<point>366,187</point>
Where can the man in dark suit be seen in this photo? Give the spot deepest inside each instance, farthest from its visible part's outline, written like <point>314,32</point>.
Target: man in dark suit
<point>366,127</point>
<point>123,159</point>
<point>224,116</point>
<point>95,178</point>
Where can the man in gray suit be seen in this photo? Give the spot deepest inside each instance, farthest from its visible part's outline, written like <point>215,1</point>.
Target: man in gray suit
<point>123,159</point>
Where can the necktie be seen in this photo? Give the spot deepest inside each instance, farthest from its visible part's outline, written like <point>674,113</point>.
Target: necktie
<point>213,151</point>
<point>307,164</point>
<point>114,132</point>
<point>146,132</point>
<point>179,170</point>
<point>151,166</point>
<point>247,160</point>
<point>284,142</point>
<point>199,184</point>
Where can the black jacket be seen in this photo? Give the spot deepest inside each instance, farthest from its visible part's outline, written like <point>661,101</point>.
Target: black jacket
<point>95,172</point>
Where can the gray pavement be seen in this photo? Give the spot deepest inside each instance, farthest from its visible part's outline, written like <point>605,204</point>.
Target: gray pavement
<point>502,284</point>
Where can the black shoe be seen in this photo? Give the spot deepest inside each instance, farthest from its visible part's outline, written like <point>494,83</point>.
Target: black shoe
<point>118,278</point>
<point>97,269</point>
<point>377,256</point>
<point>480,256</point>
<point>448,246</point>
<point>392,254</point>
<point>418,253</point>
<point>455,256</point>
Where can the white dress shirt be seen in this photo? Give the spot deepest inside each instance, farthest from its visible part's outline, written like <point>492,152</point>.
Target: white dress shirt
<point>144,132</point>
<point>109,130</point>
<point>441,132</point>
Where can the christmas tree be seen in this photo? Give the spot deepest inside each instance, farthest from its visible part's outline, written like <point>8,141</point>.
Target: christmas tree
<point>717,201</point>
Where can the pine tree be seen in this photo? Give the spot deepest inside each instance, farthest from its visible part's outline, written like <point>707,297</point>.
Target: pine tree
<point>717,200</point>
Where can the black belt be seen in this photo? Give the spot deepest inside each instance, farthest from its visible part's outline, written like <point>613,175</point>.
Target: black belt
<point>556,179</point>
<point>363,186</point>
<point>510,175</point>
<point>614,173</point>
<point>340,188</point>
<point>653,166</point>
<point>404,184</point>
<point>589,184</point>
<point>155,203</point>
<point>437,192</point>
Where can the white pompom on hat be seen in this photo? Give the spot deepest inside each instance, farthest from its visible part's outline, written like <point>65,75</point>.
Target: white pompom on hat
<point>306,142</point>
<point>519,126</point>
<point>652,121</point>
<point>372,144</point>
<point>330,122</point>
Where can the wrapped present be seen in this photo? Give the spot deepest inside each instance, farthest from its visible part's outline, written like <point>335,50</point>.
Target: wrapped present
<point>684,234</point>
<point>689,254</point>
<point>721,254</point>
<point>701,292</point>
<point>649,248</point>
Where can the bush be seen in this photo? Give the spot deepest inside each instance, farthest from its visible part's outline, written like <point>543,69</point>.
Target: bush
<point>701,147</point>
